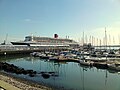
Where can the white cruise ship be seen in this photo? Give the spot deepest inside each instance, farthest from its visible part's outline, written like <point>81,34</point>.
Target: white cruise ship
<point>46,41</point>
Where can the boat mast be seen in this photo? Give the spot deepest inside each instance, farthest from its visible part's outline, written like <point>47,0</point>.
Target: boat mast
<point>119,39</point>
<point>83,37</point>
<point>100,44</point>
<point>106,44</point>
<point>109,41</point>
<point>106,55</point>
<point>86,39</point>
<point>105,39</point>
<point>32,38</point>
<point>90,39</point>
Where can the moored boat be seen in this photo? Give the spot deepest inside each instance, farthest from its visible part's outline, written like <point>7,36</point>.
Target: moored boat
<point>114,66</point>
<point>86,62</point>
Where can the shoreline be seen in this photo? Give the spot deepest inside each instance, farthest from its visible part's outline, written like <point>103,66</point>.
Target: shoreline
<point>20,83</point>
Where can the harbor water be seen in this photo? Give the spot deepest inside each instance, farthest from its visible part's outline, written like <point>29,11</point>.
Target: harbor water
<point>66,75</point>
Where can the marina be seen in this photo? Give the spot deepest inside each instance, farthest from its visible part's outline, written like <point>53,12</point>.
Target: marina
<point>57,67</point>
<point>64,75</point>
<point>60,45</point>
<point>60,65</point>
<point>88,56</point>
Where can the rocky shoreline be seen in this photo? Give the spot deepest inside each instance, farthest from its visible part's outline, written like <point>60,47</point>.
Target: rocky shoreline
<point>21,83</point>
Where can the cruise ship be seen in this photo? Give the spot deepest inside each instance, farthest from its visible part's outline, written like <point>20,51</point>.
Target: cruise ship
<point>47,41</point>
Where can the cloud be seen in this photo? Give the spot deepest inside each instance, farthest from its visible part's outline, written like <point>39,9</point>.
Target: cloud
<point>27,20</point>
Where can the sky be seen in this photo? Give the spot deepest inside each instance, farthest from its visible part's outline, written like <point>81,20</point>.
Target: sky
<point>20,18</point>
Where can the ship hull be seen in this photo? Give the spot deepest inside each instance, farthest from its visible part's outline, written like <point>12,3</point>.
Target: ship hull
<point>20,43</point>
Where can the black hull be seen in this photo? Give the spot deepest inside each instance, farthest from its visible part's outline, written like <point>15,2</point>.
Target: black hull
<point>20,43</point>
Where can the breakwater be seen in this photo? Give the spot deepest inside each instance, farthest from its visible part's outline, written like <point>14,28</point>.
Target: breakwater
<point>14,69</point>
<point>11,68</point>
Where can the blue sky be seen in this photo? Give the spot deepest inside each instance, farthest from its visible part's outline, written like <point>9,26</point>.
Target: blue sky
<point>19,18</point>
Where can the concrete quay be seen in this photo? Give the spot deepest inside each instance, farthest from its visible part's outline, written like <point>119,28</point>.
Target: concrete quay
<point>17,49</point>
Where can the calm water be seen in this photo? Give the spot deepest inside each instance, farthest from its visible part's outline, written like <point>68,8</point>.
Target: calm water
<point>69,75</point>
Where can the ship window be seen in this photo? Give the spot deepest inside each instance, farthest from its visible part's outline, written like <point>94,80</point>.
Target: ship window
<point>28,39</point>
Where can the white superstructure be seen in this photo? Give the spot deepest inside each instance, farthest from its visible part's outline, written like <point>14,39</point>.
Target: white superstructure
<point>46,41</point>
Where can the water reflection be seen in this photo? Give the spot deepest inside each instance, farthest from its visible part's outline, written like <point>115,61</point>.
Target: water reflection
<point>70,75</point>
